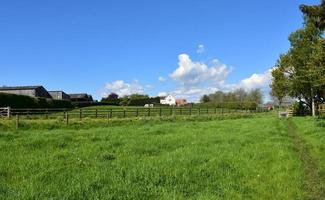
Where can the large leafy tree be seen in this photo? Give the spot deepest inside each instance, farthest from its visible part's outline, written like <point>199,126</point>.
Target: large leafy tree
<point>300,73</point>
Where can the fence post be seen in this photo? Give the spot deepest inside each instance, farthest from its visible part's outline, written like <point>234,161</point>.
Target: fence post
<point>46,114</point>
<point>124,114</point>
<point>190,111</point>
<point>180,111</point>
<point>17,121</point>
<point>108,116</point>
<point>8,112</point>
<point>149,112</point>
<point>171,111</point>
<point>66,118</point>
<point>199,111</point>
<point>160,112</point>
<point>207,110</point>
<point>111,113</point>
<point>96,114</point>
<point>137,113</point>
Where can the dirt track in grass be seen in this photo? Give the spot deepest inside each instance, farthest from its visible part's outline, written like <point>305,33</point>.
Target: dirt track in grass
<point>312,180</point>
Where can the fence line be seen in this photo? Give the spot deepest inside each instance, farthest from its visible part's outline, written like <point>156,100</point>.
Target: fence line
<point>127,112</point>
<point>80,114</point>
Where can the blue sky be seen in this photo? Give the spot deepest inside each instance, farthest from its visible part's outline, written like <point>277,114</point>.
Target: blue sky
<point>195,47</point>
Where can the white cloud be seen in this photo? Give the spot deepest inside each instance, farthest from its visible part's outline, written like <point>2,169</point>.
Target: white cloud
<point>195,73</point>
<point>198,78</point>
<point>200,49</point>
<point>260,81</point>
<point>121,88</point>
<point>161,79</point>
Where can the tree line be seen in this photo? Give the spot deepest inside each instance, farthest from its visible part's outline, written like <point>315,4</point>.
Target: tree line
<point>300,72</point>
<point>238,99</point>
<point>130,100</point>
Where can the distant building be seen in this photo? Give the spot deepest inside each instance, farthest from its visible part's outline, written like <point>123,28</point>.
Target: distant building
<point>59,95</point>
<point>82,97</point>
<point>181,102</point>
<point>33,91</point>
<point>286,102</point>
<point>168,100</point>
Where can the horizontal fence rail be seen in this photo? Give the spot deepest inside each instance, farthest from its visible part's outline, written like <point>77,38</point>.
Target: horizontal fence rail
<point>66,115</point>
<point>126,112</point>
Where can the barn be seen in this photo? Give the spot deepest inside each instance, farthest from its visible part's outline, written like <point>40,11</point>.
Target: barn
<point>82,97</point>
<point>59,95</point>
<point>33,91</point>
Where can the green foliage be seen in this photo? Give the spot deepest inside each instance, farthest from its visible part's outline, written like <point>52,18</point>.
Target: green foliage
<point>300,72</point>
<point>22,101</point>
<point>315,13</point>
<point>238,99</point>
<point>112,99</point>
<point>300,109</point>
<point>205,99</point>
<point>279,84</point>
<point>130,100</point>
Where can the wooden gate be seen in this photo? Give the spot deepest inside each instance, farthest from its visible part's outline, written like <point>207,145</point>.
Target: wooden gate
<point>5,112</point>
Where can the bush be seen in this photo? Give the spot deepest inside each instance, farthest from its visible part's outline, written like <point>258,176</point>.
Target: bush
<point>80,104</point>
<point>22,101</point>
<point>299,109</point>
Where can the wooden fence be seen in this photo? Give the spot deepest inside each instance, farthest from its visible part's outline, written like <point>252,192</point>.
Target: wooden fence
<point>87,113</point>
<point>5,112</point>
<point>125,112</point>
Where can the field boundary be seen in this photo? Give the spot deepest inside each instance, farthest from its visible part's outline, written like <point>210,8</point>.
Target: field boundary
<point>123,112</point>
<point>312,182</point>
<point>75,123</point>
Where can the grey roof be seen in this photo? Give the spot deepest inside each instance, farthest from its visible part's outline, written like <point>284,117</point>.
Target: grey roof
<point>57,91</point>
<point>20,87</point>
<point>81,95</point>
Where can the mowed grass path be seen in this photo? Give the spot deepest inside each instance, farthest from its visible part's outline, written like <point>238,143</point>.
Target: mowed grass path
<point>252,158</point>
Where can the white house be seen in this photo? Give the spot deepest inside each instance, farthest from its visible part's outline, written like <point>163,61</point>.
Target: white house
<point>168,100</point>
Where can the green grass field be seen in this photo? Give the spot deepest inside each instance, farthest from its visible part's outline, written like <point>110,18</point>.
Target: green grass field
<point>248,158</point>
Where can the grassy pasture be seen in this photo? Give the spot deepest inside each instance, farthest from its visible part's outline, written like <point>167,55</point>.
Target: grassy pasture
<point>246,158</point>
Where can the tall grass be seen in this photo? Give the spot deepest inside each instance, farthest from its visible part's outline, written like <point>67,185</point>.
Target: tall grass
<point>245,158</point>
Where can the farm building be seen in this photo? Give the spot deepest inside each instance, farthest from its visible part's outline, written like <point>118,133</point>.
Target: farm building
<point>33,91</point>
<point>59,95</point>
<point>82,97</point>
<point>181,102</point>
<point>168,100</point>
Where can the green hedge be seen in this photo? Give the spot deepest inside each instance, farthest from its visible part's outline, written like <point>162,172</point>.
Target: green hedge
<point>22,101</point>
<point>80,104</point>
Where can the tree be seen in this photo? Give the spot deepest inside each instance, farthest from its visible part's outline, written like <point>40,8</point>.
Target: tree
<point>205,99</point>
<point>112,98</point>
<point>236,99</point>
<point>255,96</point>
<point>316,13</point>
<point>279,83</point>
<point>300,72</point>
